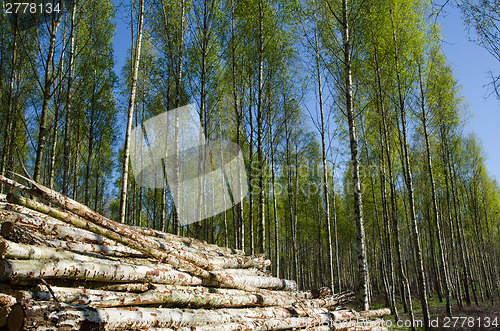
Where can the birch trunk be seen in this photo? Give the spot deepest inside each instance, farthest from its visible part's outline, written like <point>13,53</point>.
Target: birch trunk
<point>126,149</point>
<point>407,175</point>
<point>55,224</point>
<point>444,268</point>
<point>260,156</point>
<point>353,138</point>
<point>207,261</point>
<point>66,151</point>
<point>177,296</point>
<point>46,92</point>
<point>323,161</point>
<point>414,224</point>
<point>387,150</point>
<point>9,120</point>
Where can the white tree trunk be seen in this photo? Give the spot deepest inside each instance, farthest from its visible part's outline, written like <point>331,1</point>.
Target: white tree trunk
<point>126,149</point>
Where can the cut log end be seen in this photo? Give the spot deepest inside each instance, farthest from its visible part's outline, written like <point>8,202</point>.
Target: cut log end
<point>4,313</point>
<point>7,228</point>
<point>15,321</point>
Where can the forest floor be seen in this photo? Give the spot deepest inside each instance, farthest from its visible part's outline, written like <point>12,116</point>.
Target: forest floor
<point>485,316</point>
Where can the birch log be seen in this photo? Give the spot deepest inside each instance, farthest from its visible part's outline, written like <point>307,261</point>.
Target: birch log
<point>34,315</point>
<point>256,281</point>
<point>21,234</point>
<point>199,296</point>
<point>127,236</point>
<point>126,287</point>
<point>107,250</point>
<point>375,313</point>
<point>12,250</point>
<point>291,323</point>
<point>190,242</point>
<point>63,231</point>
<point>74,270</point>
<point>78,295</point>
<point>50,226</point>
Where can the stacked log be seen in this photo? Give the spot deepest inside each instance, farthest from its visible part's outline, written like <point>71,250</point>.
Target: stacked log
<point>66,267</point>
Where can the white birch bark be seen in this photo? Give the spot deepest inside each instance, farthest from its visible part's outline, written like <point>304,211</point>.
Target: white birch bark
<point>70,269</point>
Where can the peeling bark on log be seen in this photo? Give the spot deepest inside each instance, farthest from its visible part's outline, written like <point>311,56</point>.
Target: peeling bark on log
<point>107,250</point>
<point>269,324</point>
<point>210,297</point>
<point>196,297</point>
<point>256,281</point>
<point>224,261</point>
<point>70,269</point>
<point>7,300</point>
<point>6,216</point>
<point>20,234</point>
<point>125,287</point>
<point>9,249</point>
<point>221,259</point>
<point>72,295</point>
<point>375,313</point>
<point>93,269</point>
<point>71,317</point>
<point>57,251</point>
<point>54,227</point>
<point>189,242</point>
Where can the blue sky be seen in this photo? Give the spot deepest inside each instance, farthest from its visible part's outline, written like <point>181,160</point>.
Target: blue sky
<point>470,62</point>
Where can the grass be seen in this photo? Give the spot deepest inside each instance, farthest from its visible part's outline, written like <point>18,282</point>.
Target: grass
<point>484,316</point>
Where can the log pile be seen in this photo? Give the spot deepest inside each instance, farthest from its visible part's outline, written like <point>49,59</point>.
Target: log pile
<point>66,267</point>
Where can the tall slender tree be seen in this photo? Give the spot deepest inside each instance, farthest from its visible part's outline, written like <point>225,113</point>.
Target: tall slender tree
<point>130,111</point>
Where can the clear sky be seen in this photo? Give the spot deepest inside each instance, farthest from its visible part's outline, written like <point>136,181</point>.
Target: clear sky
<point>471,64</point>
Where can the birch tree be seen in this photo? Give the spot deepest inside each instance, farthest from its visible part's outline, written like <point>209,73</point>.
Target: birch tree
<point>126,149</point>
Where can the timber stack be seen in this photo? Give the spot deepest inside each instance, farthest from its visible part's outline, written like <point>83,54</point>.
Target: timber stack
<point>66,267</point>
